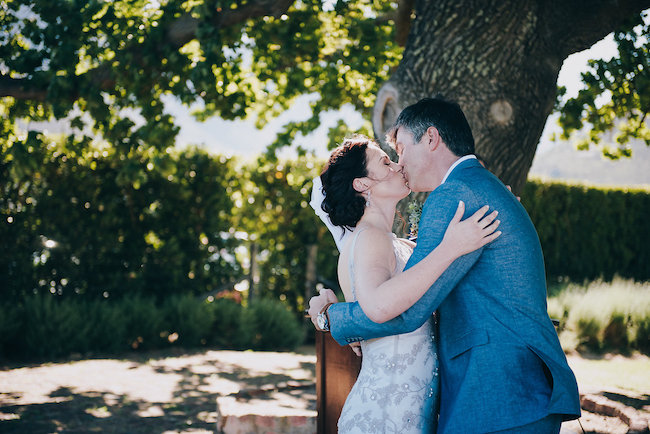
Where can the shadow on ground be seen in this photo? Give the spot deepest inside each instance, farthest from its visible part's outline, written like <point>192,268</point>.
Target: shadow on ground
<point>638,403</point>
<point>128,403</point>
<point>101,412</point>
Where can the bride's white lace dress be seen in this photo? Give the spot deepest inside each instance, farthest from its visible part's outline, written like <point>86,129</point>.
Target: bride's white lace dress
<point>397,388</point>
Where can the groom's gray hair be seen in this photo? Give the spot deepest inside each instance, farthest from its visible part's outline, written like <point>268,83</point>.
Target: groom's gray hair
<point>446,116</point>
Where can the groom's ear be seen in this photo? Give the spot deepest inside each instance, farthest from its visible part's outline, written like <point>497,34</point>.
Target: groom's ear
<point>433,137</point>
<point>359,184</point>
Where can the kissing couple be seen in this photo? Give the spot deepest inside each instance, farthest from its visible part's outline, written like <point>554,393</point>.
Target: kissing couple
<point>494,361</point>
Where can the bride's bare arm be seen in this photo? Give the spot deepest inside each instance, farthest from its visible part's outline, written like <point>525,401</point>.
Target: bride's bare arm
<point>382,297</point>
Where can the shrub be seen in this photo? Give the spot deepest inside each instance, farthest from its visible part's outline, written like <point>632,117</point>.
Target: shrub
<point>615,336</point>
<point>557,310</point>
<point>225,331</point>
<point>569,341</point>
<point>604,317</point>
<point>88,226</point>
<point>639,329</point>
<point>642,338</point>
<point>143,322</point>
<point>103,326</point>
<point>52,327</point>
<point>587,325</point>
<point>268,325</point>
<point>11,322</point>
<point>188,320</point>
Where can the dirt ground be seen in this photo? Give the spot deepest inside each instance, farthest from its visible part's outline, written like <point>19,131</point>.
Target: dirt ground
<point>168,392</point>
<point>153,393</point>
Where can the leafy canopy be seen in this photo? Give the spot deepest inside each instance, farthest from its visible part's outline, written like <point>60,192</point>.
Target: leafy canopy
<point>105,65</point>
<point>615,102</point>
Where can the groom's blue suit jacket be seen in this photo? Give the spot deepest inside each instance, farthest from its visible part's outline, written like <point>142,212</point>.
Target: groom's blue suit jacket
<point>501,363</point>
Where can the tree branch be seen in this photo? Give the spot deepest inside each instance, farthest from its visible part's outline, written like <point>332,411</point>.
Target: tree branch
<point>21,88</point>
<point>34,90</point>
<point>402,18</point>
<point>183,30</point>
<point>403,21</point>
<point>576,25</point>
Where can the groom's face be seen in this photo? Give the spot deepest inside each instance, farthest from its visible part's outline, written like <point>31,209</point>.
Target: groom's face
<point>414,158</point>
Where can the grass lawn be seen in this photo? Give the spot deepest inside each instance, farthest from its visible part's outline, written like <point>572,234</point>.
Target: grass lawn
<point>612,373</point>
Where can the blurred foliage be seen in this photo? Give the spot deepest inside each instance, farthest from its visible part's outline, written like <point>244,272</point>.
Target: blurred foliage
<point>97,265</point>
<point>52,327</point>
<point>268,325</point>
<point>612,108</point>
<point>596,317</point>
<point>108,208</point>
<point>603,317</point>
<point>273,209</point>
<point>105,65</point>
<point>188,320</point>
<point>107,223</point>
<point>76,226</point>
<point>225,331</point>
<point>589,233</point>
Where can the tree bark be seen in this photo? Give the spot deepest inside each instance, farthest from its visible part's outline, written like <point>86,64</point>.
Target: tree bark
<point>310,272</point>
<point>253,274</point>
<point>500,61</point>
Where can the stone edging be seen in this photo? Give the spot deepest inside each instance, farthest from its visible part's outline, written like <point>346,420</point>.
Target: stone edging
<point>251,411</point>
<point>634,419</point>
<point>637,421</point>
<point>267,388</point>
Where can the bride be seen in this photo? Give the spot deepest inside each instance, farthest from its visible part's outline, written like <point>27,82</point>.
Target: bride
<point>397,388</point>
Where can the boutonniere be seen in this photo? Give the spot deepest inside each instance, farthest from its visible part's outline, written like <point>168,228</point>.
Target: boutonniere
<point>415,211</point>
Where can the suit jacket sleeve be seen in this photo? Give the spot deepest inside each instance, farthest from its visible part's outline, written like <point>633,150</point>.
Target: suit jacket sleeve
<point>348,322</point>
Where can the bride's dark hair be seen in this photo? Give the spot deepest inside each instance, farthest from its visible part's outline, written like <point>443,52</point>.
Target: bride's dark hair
<point>344,205</point>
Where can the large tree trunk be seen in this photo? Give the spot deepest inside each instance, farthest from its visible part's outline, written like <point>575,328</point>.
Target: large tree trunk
<point>500,61</point>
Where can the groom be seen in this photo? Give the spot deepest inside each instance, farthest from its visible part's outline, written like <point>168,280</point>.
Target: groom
<point>502,368</point>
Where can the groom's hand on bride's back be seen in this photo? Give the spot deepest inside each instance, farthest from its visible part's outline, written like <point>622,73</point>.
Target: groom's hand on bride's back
<point>317,303</point>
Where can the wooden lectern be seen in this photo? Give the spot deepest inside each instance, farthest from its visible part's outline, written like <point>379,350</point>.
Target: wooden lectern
<point>337,369</point>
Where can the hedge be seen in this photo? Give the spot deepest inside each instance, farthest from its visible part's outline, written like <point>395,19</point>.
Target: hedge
<point>171,231</point>
<point>78,229</point>
<point>588,232</point>
<point>43,327</point>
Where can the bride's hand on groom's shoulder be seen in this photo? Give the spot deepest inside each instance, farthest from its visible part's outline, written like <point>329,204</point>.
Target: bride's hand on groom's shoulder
<point>472,233</point>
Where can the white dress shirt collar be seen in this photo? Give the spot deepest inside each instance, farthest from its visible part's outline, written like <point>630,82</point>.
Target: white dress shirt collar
<point>453,166</point>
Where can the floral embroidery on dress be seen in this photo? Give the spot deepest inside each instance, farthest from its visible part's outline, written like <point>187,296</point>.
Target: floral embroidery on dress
<point>397,388</point>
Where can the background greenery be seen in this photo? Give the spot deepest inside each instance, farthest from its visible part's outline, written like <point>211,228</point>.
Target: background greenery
<point>95,264</point>
<point>602,317</point>
<point>77,228</point>
<point>43,327</point>
<point>105,68</point>
<point>588,232</point>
